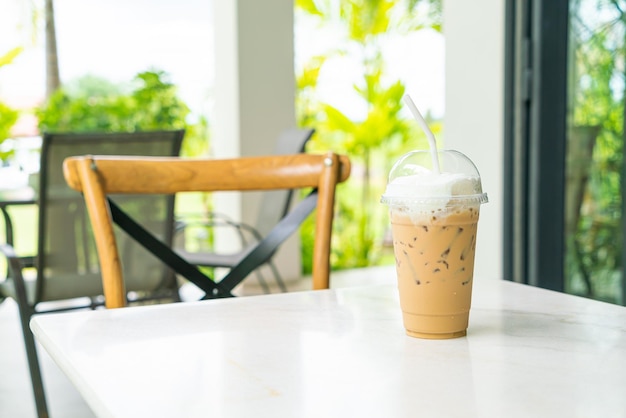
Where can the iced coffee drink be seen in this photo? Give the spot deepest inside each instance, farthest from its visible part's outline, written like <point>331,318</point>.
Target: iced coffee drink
<point>434,218</point>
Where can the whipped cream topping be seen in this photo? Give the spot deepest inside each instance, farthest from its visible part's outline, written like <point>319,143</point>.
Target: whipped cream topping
<point>414,187</point>
<point>426,184</point>
<point>431,185</point>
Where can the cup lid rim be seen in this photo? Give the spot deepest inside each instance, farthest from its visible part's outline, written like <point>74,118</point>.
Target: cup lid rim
<point>446,201</point>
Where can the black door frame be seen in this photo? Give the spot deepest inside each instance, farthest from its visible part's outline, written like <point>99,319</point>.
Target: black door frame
<point>535,138</point>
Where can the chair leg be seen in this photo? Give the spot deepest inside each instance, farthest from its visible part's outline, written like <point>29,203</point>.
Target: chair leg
<point>26,312</point>
<point>277,277</point>
<point>262,281</point>
<point>33,363</point>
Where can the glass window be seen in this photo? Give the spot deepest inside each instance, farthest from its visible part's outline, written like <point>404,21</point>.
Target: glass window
<point>594,158</point>
<point>565,75</point>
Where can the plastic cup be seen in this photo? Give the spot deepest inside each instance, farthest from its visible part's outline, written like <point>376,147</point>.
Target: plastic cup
<point>434,219</point>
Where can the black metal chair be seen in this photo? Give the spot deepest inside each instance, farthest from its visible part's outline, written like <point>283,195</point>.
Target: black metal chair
<point>66,262</point>
<point>274,205</point>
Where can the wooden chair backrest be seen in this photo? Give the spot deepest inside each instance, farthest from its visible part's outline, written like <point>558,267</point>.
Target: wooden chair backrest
<point>98,176</point>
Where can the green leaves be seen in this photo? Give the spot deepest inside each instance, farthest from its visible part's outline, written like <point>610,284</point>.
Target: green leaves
<point>8,57</point>
<point>376,136</point>
<point>96,105</point>
<point>8,117</point>
<point>151,103</point>
<point>309,6</point>
<point>367,18</point>
<point>597,99</point>
<point>311,72</point>
<point>337,121</point>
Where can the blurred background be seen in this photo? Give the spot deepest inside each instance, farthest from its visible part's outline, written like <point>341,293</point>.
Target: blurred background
<point>529,90</point>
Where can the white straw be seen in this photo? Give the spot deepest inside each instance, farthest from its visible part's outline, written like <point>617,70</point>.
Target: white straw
<point>429,134</point>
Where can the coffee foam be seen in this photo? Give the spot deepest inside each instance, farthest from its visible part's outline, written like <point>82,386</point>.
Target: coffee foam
<point>418,190</point>
<point>428,192</point>
<point>425,183</point>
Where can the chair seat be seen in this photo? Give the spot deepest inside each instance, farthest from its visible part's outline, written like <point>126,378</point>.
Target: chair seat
<point>211,259</point>
<point>7,290</point>
<point>85,285</point>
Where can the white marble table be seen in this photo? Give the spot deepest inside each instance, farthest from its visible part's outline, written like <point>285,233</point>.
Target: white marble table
<point>343,353</point>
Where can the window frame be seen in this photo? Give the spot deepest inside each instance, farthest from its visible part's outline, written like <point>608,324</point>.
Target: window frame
<point>535,139</point>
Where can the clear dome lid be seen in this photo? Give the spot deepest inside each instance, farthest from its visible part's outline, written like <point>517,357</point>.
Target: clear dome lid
<point>413,181</point>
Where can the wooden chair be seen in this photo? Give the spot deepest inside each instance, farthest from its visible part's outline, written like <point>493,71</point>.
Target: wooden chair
<point>97,177</point>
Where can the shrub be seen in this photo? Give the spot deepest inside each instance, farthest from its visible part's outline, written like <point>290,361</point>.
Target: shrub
<point>151,102</point>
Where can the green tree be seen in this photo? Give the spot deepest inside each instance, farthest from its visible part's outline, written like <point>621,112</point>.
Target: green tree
<point>40,18</point>
<point>151,102</point>
<point>93,104</point>
<point>381,133</point>
<point>53,79</point>
<point>598,93</point>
